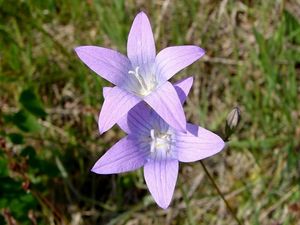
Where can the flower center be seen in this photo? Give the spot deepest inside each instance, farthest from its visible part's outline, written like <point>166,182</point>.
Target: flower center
<point>144,87</point>
<point>160,142</point>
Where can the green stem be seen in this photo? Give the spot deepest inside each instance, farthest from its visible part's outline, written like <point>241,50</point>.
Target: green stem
<point>190,218</point>
<point>220,193</point>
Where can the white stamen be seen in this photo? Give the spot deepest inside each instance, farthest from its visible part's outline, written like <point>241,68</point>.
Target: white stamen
<point>138,77</point>
<point>145,83</point>
<point>152,134</point>
<point>160,141</point>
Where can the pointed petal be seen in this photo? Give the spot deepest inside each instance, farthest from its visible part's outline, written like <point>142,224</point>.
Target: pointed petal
<point>171,60</point>
<point>138,121</point>
<point>183,88</point>
<point>140,45</point>
<point>116,104</point>
<point>126,155</point>
<point>109,64</point>
<point>161,175</point>
<point>198,143</point>
<point>165,102</point>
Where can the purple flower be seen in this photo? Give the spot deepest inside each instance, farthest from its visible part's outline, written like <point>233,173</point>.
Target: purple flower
<point>152,143</point>
<point>143,76</point>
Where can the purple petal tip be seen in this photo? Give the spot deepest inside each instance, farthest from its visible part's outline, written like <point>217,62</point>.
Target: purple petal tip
<point>94,169</point>
<point>77,49</point>
<point>142,13</point>
<point>101,131</point>
<point>190,80</point>
<point>201,52</point>
<point>164,207</point>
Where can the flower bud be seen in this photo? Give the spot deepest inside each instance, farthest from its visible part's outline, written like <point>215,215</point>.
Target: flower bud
<point>233,118</point>
<point>232,121</point>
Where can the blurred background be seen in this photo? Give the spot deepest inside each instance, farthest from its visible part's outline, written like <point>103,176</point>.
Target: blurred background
<point>50,101</point>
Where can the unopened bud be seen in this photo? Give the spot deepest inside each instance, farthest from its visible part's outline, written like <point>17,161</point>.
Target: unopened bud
<point>232,121</point>
<point>234,118</point>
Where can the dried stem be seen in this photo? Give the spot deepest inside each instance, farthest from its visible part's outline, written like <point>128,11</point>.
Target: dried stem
<point>220,193</point>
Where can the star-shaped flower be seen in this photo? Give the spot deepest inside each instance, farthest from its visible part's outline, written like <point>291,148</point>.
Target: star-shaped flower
<point>142,76</point>
<point>152,143</point>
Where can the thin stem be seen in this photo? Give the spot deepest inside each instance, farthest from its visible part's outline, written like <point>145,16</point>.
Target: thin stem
<point>220,193</point>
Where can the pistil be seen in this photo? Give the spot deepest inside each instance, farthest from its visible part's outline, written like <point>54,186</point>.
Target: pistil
<point>145,88</point>
<point>160,141</point>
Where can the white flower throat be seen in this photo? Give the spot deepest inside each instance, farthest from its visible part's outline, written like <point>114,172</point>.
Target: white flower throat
<point>143,87</point>
<point>160,142</point>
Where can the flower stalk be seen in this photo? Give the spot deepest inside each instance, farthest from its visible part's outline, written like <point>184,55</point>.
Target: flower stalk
<point>220,193</point>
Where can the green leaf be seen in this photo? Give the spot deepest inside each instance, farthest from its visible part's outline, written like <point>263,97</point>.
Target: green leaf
<point>32,103</point>
<point>16,138</point>
<point>3,165</point>
<point>293,27</point>
<point>30,152</point>
<point>25,121</point>
<point>16,199</point>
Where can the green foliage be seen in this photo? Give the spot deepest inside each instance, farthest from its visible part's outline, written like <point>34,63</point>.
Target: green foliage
<point>16,138</point>
<point>24,121</point>
<point>16,199</point>
<point>49,103</point>
<point>30,101</point>
<point>3,165</point>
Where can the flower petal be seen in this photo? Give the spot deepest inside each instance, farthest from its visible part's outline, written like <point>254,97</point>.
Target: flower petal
<point>116,104</point>
<point>126,155</point>
<point>106,90</point>
<point>165,102</point>
<point>171,60</point>
<point>109,64</point>
<point>140,119</point>
<point>161,175</point>
<point>140,45</point>
<point>198,143</point>
<point>137,120</point>
<point>183,88</point>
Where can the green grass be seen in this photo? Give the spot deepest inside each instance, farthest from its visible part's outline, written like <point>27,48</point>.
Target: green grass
<point>50,102</point>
